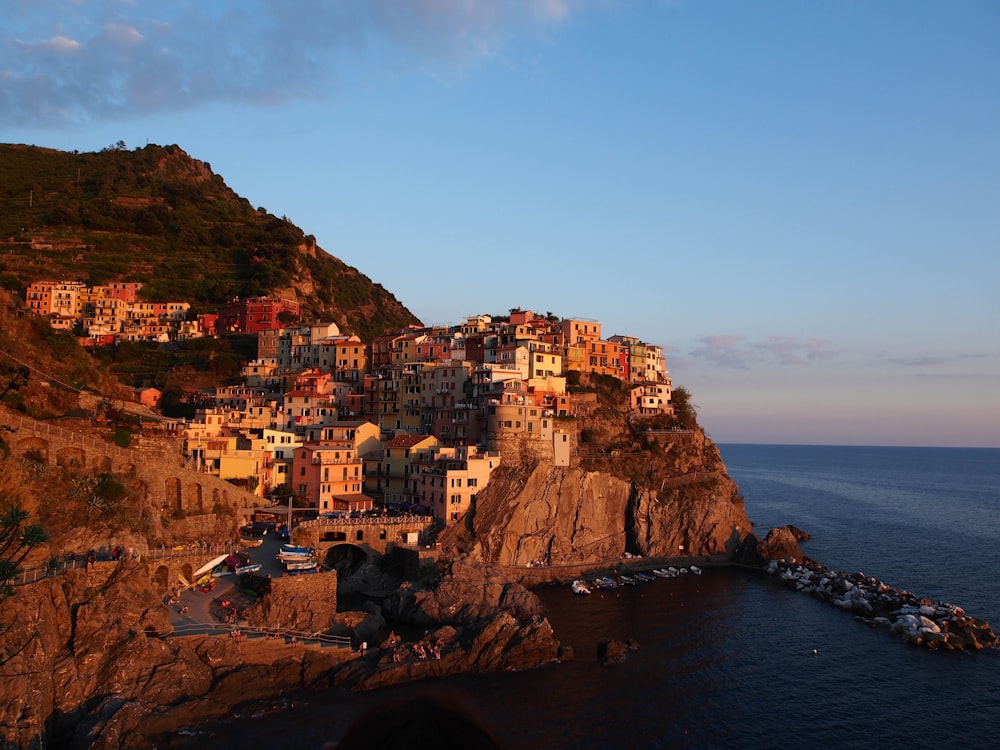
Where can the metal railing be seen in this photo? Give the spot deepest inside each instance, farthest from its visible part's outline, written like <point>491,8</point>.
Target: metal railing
<point>255,632</point>
<point>368,521</point>
<point>103,555</point>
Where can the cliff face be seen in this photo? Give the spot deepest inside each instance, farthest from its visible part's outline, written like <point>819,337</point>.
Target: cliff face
<point>684,504</point>
<point>84,667</point>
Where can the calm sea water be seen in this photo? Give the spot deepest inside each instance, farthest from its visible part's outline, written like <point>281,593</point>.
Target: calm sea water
<point>731,659</point>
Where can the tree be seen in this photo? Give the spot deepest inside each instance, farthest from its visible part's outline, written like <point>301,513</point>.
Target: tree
<point>684,410</point>
<point>17,539</point>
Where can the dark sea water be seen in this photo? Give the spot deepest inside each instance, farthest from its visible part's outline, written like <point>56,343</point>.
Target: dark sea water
<point>731,659</point>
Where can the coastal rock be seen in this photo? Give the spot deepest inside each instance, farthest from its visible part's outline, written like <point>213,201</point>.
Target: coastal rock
<point>360,626</point>
<point>782,543</point>
<point>476,621</point>
<point>468,591</point>
<point>615,651</point>
<point>544,514</point>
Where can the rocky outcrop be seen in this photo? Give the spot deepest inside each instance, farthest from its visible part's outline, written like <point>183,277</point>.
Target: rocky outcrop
<point>84,668</point>
<point>782,543</point>
<point>615,651</point>
<point>475,620</point>
<point>549,514</point>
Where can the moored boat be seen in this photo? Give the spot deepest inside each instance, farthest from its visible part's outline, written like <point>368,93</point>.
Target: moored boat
<point>580,587</point>
<point>285,557</point>
<point>301,565</point>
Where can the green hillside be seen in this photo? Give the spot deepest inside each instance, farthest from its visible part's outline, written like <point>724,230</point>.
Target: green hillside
<point>157,216</point>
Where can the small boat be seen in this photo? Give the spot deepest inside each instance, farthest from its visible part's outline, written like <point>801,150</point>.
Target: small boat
<point>605,583</point>
<point>249,568</point>
<point>696,570</point>
<point>300,565</point>
<point>244,542</point>
<point>628,580</point>
<point>580,587</point>
<point>663,573</point>
<point>645,577</point>
<point>286,558</point>
<point>292,549</point>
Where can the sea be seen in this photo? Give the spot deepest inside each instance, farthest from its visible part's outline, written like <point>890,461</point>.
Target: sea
<point>731,658</point>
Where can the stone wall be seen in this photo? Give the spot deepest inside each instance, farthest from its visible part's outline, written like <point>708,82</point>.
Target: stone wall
<point>155,467</point>
<point>304,603</point>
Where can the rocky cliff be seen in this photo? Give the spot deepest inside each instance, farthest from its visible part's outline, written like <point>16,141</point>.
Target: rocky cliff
<point>683,505</point>
<point>86,666</point>
<point>85,663</point>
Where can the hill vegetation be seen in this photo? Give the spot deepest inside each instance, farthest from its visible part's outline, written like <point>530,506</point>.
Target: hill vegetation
<point>158,216</point>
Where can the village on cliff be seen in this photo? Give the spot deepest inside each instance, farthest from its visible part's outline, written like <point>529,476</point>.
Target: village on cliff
<point>415,420</point>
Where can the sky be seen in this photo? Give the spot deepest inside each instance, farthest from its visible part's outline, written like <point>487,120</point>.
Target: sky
<point>798,200</point>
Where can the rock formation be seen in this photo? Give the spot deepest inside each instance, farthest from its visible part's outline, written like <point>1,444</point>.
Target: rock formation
<point>86,666</point>
<point>547,514</point>
<point>476,620</point>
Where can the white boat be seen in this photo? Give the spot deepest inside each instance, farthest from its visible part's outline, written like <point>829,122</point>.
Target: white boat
<point>286,558</point>
<point>249,568</point>
<point>628,580</point>
<point>300,565</point>
<point>293,550</point>
<point>696,570</point>
<point>605,583</point>
<point>663,573</point>
<point>579,587</point>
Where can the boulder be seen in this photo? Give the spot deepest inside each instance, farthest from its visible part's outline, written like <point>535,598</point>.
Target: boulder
<point>781,543</point>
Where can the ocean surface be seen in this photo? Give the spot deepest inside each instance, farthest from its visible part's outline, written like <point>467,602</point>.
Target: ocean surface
<point>731,659</point>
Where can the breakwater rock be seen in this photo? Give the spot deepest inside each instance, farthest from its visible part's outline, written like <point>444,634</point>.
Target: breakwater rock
<point>918,621</point>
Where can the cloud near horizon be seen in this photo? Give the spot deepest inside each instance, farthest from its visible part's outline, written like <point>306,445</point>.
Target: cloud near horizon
<point>66,62</point>
<point>740,353</point>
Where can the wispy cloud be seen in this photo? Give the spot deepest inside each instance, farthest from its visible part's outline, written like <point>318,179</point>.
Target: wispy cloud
<point>741,353</point>
<point>935,360</point>
<point>67,62</point>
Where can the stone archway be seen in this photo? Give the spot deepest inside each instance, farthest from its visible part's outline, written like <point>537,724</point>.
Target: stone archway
<point>195,501</point>
<point>161,578</point>
<point>345,558</point>
<point>71,458</point>
<point>172,500</point>
<point>33,446</point>
<point>188,572</point>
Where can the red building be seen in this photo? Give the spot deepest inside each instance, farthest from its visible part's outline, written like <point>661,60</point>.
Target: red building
<point>255,314</point>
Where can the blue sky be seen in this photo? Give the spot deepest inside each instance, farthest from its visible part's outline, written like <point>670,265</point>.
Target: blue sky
<point>799,200</point>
